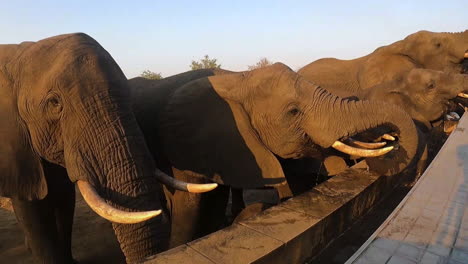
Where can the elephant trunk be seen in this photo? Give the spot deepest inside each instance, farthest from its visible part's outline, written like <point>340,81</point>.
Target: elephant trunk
<point>335,119</point>
<point>113,158</point>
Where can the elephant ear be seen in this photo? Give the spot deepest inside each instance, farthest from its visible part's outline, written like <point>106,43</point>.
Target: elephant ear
<point>207,134</point>
<point>21,172</point>
<point>382,66</point>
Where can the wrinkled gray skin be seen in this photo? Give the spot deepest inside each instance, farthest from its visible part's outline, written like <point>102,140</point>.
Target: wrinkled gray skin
<point>424,49</point>
<point>424,94</point>
<point>230,128</point>
<point>65,116</point>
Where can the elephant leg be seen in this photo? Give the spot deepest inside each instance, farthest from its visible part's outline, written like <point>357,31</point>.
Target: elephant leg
<point>193,214</point>
<point>238,203</point>
<point>185,211</point>
<point>47,223</point>
<point>62,196</point>
<point>37,220</point>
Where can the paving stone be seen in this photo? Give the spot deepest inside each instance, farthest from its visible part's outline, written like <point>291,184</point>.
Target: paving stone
<point>400,260</point>
<point>459,255</point>
<point>410,252</point>
<point>388,245</point>
<point>462,243</point>
<point>439,250</point>
<point>377,255</point>
<point>452,261</point>
<point>430,258</point>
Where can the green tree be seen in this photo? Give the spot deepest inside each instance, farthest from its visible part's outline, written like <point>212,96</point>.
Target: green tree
<point>205,63</point>
<point>151,75</point>
<point>263,62</point>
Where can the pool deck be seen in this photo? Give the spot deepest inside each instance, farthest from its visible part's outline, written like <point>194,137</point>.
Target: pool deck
<point>430,225</point>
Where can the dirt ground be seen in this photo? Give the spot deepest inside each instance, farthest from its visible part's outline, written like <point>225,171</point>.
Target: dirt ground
<point>93,238</point>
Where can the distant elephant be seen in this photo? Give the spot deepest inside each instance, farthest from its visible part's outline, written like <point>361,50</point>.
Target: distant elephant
<point>424,94</point>
<point>437,51</point>
<point>65,117</point>
<point>231,128</point>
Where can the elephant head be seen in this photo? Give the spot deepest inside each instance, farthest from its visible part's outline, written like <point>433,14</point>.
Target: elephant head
<point>231,128</point>
<point>65,100</point>
<point>423,49</point>
<point>437,51</point>
<point>423,93</point>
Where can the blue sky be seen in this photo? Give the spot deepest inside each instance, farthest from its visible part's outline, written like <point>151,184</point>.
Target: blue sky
<point>165,36</point>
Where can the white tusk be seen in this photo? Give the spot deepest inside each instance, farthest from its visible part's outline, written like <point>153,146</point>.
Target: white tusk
<point>388,137</point>
<point>368,145</point>
<point>109,212</point>
<point>462,95</point>
<point>452,116</point>
<point>183,186</point>
<point>366,153</point>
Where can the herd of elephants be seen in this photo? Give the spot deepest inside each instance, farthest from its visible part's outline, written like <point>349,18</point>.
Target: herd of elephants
<point>160,158</point>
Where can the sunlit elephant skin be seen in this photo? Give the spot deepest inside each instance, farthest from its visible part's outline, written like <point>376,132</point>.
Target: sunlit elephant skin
<point>424,49</point>
<point>231,128</point>
<point>424,94</point>
<point>65,117</point>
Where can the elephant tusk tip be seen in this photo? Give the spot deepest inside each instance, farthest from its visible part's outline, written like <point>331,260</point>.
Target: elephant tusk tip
<point>184,186</point>
<point>462,95</point>
<point>201,188</point>
<point>388,137</point>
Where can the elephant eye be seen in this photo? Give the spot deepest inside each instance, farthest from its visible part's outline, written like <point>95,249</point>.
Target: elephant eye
<point>430,86</point>
<point>293,111</point>
<point>54,104</point>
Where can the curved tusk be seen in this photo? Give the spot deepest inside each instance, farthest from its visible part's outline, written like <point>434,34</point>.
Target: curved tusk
<point>367,145</point>
<point>462,95</point>
<point>366,153</point>
<point>184,186</point>
<point>109,212</point>
<point>452,116</point>
<point>388,137</point>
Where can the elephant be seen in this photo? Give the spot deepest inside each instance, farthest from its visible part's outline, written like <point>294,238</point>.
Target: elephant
<point>427,96</point>
<point>232,129</point>
<point>66,118</point>
<point>424,49</point>
<point>424,94</point>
